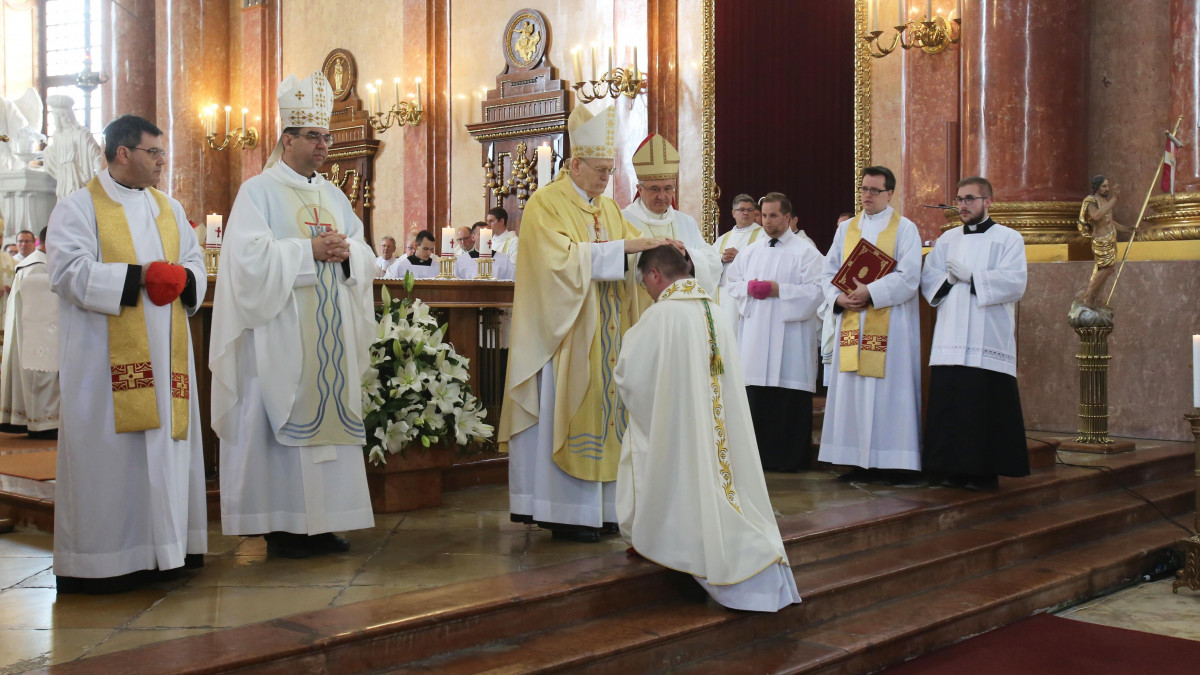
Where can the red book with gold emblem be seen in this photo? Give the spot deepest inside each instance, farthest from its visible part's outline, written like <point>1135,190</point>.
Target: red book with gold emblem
<point>866,263</point>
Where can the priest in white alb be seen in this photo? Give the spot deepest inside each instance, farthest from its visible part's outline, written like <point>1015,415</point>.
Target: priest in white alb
<point>745,232</point>
<point>653,211</point>
<point>293,319</point>
<point>421,262</point>
<point>127,269</point>
<point>975,276</point>
<point>873,409</point>
<point>574,298</point>
<point>690,491</point>
<point>776,283</point>
<point>504,239</point>
<point>29,377</point>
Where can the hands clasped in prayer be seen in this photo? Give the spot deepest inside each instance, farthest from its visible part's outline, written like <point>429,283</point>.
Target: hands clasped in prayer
<point>330,247</point>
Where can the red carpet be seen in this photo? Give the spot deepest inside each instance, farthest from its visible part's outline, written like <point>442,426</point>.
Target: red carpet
<point>34,465</point>
<point>1051,645</point>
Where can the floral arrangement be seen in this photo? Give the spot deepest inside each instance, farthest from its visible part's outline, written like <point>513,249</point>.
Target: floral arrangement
<point>416,390</point>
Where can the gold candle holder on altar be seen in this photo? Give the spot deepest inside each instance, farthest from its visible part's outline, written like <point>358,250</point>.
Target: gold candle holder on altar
<point>1190,574</point>
<point>484,268</point>
<point>212,258</point>
<point>445,267</point>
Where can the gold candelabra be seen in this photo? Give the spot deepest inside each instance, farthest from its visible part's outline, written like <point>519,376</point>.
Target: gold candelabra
<point>628,82</point>
<point>484,268</point>
<point>932,36</point>
<point>446,267</point>
<point>523,181</point>
<point>244,137</point>
<point>407,112</point>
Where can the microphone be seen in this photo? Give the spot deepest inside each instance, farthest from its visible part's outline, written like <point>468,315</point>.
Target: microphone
<point>940,206</point>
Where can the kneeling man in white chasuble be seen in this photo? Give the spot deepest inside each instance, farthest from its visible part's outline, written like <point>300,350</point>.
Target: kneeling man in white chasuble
<point>653,211</point>
<point>872,412</point>
<point>690,490</point>
<point>127,269</point>
<point>293,319</point>
<point>975,276</point>
<point>574,298</point>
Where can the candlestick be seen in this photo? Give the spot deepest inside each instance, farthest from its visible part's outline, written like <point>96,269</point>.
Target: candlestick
<point>593,61</point>
<point>929,10</point>
<point>635,66</point>
<point>226,120</point>
<point>485,241</point>
<point>578,63</point>
<point>900,10</point>
<point>1196,371</point>
<point>447,240</point>
<point>875,15</point>
<point>396,86</point>
<point>545,161</point>
<point>212,234</point>
<point>610,50</point>
<point>418,93</point>
<point>244,111</point>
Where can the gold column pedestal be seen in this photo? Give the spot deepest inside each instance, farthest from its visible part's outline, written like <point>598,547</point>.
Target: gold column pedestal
<point>212,258</point>
<point>1174,218</point>
<point>483,270</point>
<point>1190,574</point>
<point>1038,222</point>
<point>445,267</point>
<point>1093,327</point>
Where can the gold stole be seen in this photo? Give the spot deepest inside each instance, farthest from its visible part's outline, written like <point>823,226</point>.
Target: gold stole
<point>870,361</point>
<point>135,404</point>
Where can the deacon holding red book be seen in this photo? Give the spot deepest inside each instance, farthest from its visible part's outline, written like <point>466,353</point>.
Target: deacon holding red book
<point>872,414</point>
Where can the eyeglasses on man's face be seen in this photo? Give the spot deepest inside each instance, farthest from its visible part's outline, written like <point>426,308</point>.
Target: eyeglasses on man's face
<point>317,137</point>
<point>743,210</point>
<point>658,190</point>
<point>156,153</point>
<point>603,171</point>
<point>967,200</point>
<point>874,192</point>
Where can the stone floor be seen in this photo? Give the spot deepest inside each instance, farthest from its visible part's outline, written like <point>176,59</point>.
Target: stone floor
<point>470,537</point>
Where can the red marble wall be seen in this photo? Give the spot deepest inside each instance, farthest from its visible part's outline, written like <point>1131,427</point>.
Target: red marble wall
<point>930,169</point>
<point>1185,90</point>
<point>128,43</point>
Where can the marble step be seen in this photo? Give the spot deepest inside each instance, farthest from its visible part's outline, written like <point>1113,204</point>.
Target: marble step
<point>680,629</point>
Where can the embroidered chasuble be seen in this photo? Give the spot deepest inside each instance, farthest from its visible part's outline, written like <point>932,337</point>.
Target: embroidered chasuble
<point>864,348</point>
<point>134,403</point>
<point>561,315</point>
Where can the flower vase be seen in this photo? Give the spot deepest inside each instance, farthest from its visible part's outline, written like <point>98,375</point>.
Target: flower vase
<point>410,481</point>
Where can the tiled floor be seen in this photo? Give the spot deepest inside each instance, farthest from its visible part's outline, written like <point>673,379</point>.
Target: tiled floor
<point>470,537</point>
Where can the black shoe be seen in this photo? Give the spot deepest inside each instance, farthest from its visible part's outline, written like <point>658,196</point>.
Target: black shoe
<point>13,428</point>
<point>583,535</point>
<point>982,484</point>
<point>193,561</point>
<point>287,545</point>
<point>44,435</point>
<point>610,528</point>
<point>956,482</point>
<point>857,475</point>
<point>905,478</point>
<point>100,585</point>
<point>327,543</point>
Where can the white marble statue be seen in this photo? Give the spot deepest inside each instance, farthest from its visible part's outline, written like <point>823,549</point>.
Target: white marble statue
<point>20,120</point>
<point>73,155</point>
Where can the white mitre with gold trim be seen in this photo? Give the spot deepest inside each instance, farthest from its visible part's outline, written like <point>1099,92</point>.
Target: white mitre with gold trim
<point>656,159</point>
<point>593,136</point>
<point>302,103</point>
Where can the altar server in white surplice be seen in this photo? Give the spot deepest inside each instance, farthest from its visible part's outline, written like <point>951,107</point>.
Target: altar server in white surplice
<point>29,382</point>
<point>421,262</point>
<point>129,492</point>
<point>690,491</point>
<point>745,232</point>
<point>293,319</point>
<point>776,283</point>
<point>872,412</point>
<point>653,211</point>
<point>975,276</point>
<point>504,240</point>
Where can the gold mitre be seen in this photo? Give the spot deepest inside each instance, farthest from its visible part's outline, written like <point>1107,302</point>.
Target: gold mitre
<point>593,136</point>
<point>302,103</point>
<point>656,159</point>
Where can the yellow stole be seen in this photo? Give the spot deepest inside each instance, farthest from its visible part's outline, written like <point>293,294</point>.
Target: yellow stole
<point>869,362</point>
<point>135,404</point>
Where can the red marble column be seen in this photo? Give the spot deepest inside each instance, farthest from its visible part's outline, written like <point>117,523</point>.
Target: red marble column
<point>1185,91</point>
<point>193,65</point>
<point>129,51</point>
<point>426,146</point>
<point>259,66</point>
<point>1024,97</point>
<point>931,87</point>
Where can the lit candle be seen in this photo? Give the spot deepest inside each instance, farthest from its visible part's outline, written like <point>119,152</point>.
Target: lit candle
<point>635,66</point>
<point>1196,371</point>
<point>593,61</point>
<point>418,93</point>
<point>578,63</point>
<point>875,15</point>
<point>370,90</point>
<point>929,10</point>
<point>227,109</point>
<point>378,91</point>
<point>900,10</point>
<point>485,241</point>
<point>244,111</point>
<point>396,86</point>
<point>545,164</point>
<point>610,50</point>
<point>958,9</point>
<point>447,240</point>
<point>212,235</point>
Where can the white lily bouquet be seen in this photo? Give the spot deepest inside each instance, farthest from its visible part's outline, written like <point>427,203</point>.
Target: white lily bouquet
<point>416,390</point>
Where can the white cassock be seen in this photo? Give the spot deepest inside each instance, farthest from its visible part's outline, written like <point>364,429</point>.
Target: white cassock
<point>29,382</point>
<point>403,264</point>
<point>874,422</point>
<point>466,267</point>
<point>777,337</point>
<point>135,500</point>
<point>677,225</point>
<point>690,497</point>
<point>384,263</point>
<point>507,243</point>
<point>290,340</point>
<point>739,239</point>
<point>977,329</point>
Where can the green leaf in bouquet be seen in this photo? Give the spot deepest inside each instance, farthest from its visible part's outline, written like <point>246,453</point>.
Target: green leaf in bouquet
<point>409,281</point>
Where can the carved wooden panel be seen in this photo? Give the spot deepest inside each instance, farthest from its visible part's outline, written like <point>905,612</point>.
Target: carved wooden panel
<point>351,161</point>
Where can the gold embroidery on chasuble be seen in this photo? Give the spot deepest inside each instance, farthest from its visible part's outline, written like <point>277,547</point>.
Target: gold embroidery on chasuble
<point>322,413</point>
<point>863,348</point>
<point>135,402</point>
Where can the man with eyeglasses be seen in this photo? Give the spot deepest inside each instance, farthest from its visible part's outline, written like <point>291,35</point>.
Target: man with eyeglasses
<point>575,296</point>
<point>975,276</point>
<point>127,270</point>
<point>746,231</point>
<point>293,319</point>
<point>653,211</point>
<point>872,412</point>
<point>776,283</point>
<point>387,250</point>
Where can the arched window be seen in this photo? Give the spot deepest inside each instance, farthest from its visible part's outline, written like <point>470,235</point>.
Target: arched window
<point>70,31</point>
